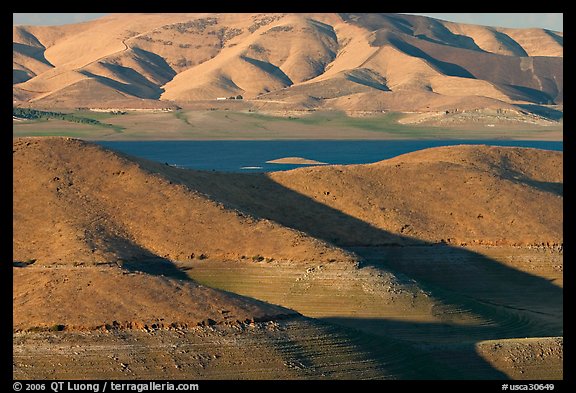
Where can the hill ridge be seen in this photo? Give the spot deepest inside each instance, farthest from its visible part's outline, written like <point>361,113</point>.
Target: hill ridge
<point>173,59</point>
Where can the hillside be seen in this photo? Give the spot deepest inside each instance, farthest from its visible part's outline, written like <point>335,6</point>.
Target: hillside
<point>81,219</point>
<point>105,298</point>
<point>458,195</point>
<point>348,62</point>
<point>109,248</point>
<point>84,204</point>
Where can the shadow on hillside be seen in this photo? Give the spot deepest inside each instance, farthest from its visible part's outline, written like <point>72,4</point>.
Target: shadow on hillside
<point>448,360</point>
<point>269,69</point>
<point>454,275</point>
<point>507,171</point>
<point>555,188</point>
<point>142,261</point>
<point>508,43</point>
<point>555,37</point>
<point>156,266</point>
<point>381,357</point>
<point>450,69</point>
<point>521,93</point>
<point>506,302</point>
<point>138,86</point>
<point>544,111</point>
<point>19,76</point>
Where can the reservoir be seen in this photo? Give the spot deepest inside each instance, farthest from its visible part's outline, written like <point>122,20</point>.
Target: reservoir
<point>252,156</point>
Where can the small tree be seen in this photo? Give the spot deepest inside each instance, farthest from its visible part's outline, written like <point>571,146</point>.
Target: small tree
<point>239,97</point>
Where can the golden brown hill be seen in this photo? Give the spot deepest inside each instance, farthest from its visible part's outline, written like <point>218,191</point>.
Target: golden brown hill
<point>101,242</point>
<point>458,194</point>
<point>94,236</point>
<point>81,203</point>
<point>77,202</point>
<point>319,60</point>
<point>88,298</point>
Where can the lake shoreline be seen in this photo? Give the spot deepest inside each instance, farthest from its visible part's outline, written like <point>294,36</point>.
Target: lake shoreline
<point>242,125</point>
<point>263,155</point>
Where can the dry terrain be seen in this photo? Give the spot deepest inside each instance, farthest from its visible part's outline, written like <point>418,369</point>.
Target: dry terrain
<point>435,72</point>
<point>445,263</point>
<point>224,121</point>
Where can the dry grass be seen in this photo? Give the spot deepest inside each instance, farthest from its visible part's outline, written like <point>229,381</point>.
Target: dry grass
<point>296,61</point>
<point>405,264</point>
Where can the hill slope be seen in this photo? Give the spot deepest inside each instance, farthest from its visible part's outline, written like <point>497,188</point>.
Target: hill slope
<point>460,194</point>
<point>82,203</point>
<point>339,61</point>
<point>105,241</point>
<point>88,222</point>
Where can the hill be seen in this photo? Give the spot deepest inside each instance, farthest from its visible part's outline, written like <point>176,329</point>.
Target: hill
<point>81,203</point>
<point>460,195</point>
<point>407,267</point>
<point>81,219</point>
<point>349,62</point>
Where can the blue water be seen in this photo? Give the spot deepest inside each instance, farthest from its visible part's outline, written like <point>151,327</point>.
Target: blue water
<point>251,156</point>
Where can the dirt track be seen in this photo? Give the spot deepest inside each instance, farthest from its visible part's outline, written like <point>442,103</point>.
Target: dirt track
<point>292,349</point>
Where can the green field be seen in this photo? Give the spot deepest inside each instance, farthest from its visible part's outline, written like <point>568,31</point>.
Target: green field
<point>238,125</point>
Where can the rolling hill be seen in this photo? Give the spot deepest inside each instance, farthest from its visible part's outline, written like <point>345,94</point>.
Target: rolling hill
<point>348,62</point>
<point>78,204</point>
<point>82,240</point>
<point>84,205</point>
<point>110,248</point>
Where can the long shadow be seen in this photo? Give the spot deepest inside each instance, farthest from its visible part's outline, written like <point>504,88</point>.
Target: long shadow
<point>382,357</point>
<point>549,113</point>
<point>454,275</point>
<point>269,68</point>
<point>508,303</point>
<point>555,188</point>
<point>137,86</point>
<point>156,266</point>
<point>155,63</point>
<point>448,360</point>
<point>326,29</point>
<point>368,78</point>
<point>19,76</point>
<point>472,281</point>
<point>507,171</point>
<point>509,43</point>
<point>435,32</point>
<point>447,68</point>
<point>555,37</point>
<point>33,51</point>
<point>136,259</point>
<point>528,94</point>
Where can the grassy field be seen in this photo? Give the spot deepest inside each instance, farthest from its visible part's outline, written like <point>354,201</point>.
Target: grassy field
<point>52,127</point>
<point>237,125</point>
